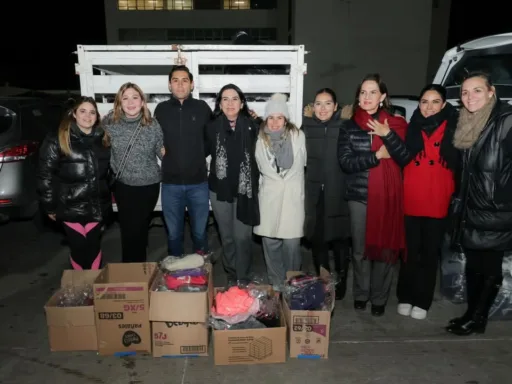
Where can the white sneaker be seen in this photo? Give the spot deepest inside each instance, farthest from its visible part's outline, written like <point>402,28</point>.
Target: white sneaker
<point>418,313</point>
<point>404,309</point>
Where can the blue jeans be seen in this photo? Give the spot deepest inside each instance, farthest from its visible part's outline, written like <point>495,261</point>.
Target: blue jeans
<point>175,198</point>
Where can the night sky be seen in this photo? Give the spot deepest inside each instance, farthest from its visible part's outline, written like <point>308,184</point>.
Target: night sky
<point>43,59</point>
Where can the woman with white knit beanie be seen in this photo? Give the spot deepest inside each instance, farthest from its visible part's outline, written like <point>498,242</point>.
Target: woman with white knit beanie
<point>281,159</point>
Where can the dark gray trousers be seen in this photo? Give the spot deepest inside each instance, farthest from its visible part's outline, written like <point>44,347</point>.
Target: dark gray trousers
<point>281,256</point>
<point>236,238</point>
<point>372,279</point>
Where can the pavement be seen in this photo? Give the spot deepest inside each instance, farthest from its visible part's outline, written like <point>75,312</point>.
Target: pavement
<point>363,349</point>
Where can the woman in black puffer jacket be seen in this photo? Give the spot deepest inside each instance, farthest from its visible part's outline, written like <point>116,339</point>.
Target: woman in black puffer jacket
<point>72,181</point>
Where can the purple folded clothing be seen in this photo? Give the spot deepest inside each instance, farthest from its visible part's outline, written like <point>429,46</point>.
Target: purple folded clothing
<point>187,272</point>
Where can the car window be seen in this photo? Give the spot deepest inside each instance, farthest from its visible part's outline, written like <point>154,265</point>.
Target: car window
<point>38,120</point>
<point>6,119</point>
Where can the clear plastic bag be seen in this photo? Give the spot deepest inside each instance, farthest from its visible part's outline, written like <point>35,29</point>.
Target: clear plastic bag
<point>502,307</point>
<point>75,296</point>
<point>174,263</point>
<point>453,274</point>
<point>308,292</point>
<point>239,304</point>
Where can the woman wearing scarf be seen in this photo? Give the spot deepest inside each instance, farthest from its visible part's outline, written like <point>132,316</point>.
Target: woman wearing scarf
<point>429,185</point>
<point>281,158</point>
<point>484,232</point>
<point>374,191</point>
<point>233,179</point>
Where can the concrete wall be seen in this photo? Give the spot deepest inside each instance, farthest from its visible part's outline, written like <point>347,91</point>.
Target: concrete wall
<point>350,38</point>
<point>438,35</point>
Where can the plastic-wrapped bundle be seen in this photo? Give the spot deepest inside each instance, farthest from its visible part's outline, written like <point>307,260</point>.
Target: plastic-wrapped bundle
<point>502,307</point>
<point>453,280</point>
<point>75,296</point>
<point>309,293</point>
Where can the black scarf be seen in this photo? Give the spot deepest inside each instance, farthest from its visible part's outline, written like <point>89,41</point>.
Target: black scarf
<point>248,174</point>
<point>449,155</point>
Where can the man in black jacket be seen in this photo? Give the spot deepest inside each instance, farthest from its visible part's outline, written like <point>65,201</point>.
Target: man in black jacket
<point>184,177</point>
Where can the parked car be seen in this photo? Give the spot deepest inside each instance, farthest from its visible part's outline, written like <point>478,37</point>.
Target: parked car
<point>491,54</point>
<point>24,122</point>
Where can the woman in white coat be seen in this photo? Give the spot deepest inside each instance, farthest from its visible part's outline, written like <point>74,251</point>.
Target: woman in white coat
<point>281,158</point>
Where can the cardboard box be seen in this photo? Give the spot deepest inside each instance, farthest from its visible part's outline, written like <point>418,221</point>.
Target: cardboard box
<point>179,319</point>
<point>71,328</point>
<point>250,346</point>
<point>308,331</point>
<point>171,339</point>
<point>121,305</point>
<point>183,307</point>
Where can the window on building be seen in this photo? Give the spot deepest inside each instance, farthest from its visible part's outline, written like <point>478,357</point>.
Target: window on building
<point>237,4</point>
<point>207,4</point>
<point>128,34</point>
<point>263,4</point>
<point>140,5</point>
<point>155,5</point>
<point>180,5</point>
<point>192,34</point>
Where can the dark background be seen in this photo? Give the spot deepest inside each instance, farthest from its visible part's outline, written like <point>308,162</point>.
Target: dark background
<point>38,48</point>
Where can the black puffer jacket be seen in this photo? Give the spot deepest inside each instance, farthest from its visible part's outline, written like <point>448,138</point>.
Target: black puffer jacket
<point>487,185</point>
<point>356,157</point>
<point>75,187</point>
<point>324,172</point>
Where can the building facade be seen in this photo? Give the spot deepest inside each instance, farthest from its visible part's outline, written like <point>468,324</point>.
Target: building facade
<point>195,21</point>
<point>403,40</point>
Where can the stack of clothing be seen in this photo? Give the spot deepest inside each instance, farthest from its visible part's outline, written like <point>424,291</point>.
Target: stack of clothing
<point>245,308</point>
<point>184,274</point>
<point>308,293</point>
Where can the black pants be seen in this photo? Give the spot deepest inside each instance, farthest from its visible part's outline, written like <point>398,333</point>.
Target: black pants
<point>320,248</point>
<point>417,278</point>
<point>135,205</point>
<point>84,241</point>
<point>484,277</point>
<point>488,263</point>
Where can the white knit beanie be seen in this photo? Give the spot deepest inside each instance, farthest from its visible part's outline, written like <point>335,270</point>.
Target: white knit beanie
<point>277,104</point>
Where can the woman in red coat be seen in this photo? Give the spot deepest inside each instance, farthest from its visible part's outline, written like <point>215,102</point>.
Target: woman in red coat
<point>429,184</point>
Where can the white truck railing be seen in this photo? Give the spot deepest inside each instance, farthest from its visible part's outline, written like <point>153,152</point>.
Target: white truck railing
<point>104,68</point>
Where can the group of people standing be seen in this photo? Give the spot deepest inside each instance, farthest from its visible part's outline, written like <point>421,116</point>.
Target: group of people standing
<point>358,181</point>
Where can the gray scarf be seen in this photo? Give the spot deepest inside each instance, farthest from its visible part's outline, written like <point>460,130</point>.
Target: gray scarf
<point>282,149</point>
<point>471,125</point>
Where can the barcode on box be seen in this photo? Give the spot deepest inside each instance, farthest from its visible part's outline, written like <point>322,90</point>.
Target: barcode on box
<point>188,349</point>
<point>113,296</point>
<point>306,320</point>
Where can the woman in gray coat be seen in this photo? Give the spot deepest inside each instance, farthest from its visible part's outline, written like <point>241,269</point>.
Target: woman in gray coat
<point>327,215</point>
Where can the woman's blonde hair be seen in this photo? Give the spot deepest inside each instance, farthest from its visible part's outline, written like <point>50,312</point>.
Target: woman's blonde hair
<point>289,128</point>
<point>118,112</point>
<point>69,118</point>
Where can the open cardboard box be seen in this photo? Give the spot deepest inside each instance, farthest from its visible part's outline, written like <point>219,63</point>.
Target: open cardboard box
<point>251,346</point>
<point>121,305</point>
<point>71,328</point>
<point>179,320</point>
<point>309,331</point>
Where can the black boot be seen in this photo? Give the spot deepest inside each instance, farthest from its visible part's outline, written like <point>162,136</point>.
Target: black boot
<point>320,257</point>
<point>342,259</point>
<point>474,283</point>
<point>478,321</point>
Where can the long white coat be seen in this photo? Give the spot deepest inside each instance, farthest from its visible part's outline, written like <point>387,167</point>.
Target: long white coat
<point>282,198</point>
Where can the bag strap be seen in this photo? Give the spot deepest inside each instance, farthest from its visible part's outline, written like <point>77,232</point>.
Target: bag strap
<point>126,154</point>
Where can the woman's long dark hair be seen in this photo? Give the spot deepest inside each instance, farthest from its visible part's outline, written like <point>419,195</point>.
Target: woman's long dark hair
<point>386,104</point>
<point>68,119</point>
<point>436,88</point>
<point>245,109</point>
